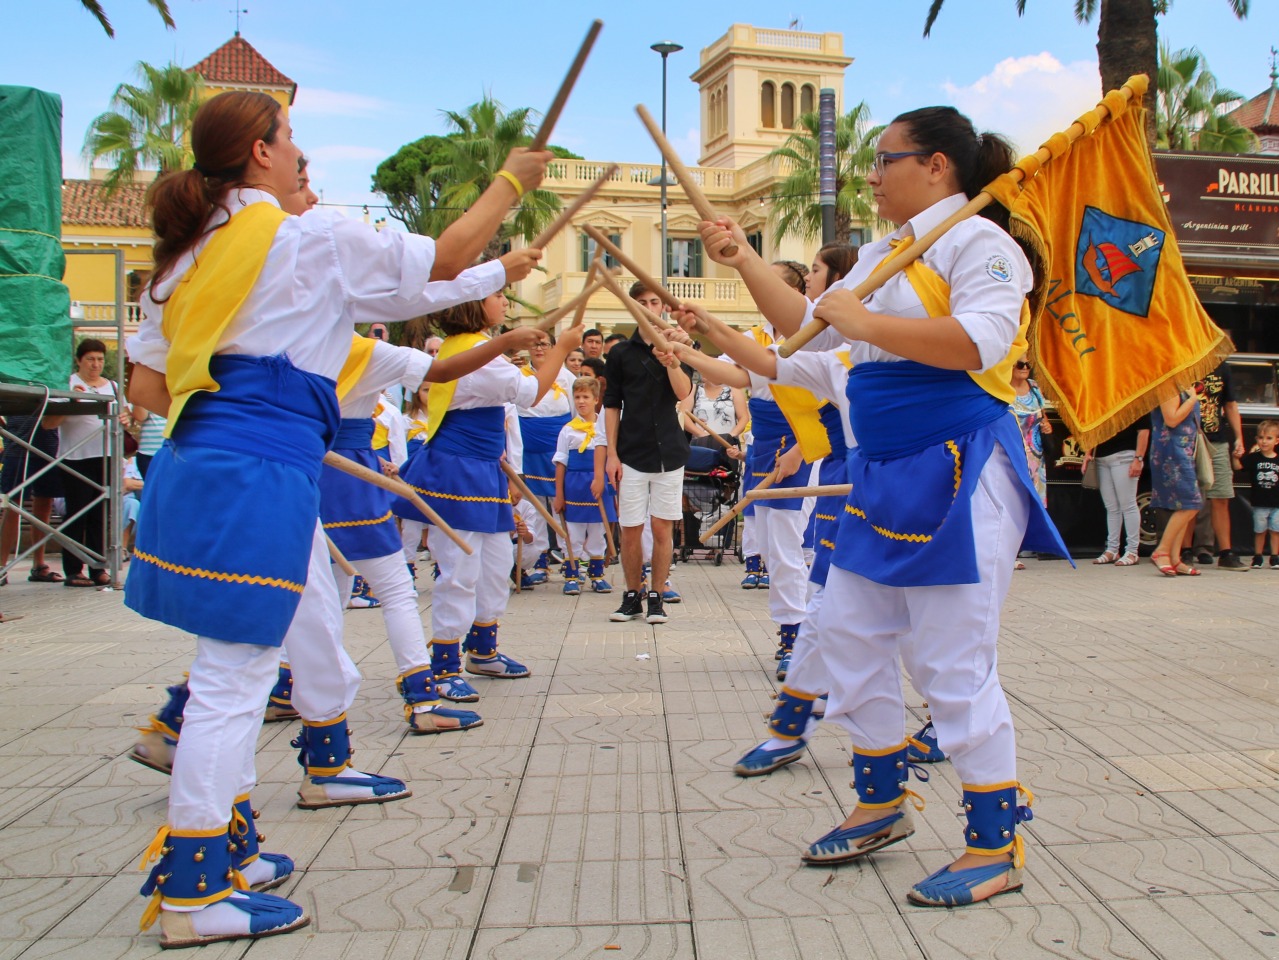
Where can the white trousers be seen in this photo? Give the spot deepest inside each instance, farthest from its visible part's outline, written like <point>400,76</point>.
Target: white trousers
<point>541,542</point>
<point>588,540</point>
<point>807,670</point>
<point>389,580</point>
<point>780,537</point>
<point>411,538</point>
<point>750,546</point>
<point>946,637</point>
<point>471,589</point>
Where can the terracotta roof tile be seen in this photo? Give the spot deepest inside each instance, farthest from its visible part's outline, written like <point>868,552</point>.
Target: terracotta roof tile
<point>236,61</point>
<point>1260,112</point>
<point>84,202</point>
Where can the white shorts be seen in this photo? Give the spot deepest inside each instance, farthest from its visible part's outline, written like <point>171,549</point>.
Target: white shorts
<point>643,495</point>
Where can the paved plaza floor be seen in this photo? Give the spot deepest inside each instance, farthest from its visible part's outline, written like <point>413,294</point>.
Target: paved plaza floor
<point>595,814</point>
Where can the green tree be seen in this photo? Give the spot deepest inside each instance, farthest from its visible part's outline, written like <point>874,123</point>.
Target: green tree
<point>431,182</point>
<point>1126,38</point>
<point>1190,107</point>
<point>147,125</point>
<point>96,10</point>
<point>796,211</point>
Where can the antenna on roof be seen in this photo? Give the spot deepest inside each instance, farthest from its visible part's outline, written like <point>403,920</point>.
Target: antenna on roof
<point>1274,66</point>
<point>237,11</point>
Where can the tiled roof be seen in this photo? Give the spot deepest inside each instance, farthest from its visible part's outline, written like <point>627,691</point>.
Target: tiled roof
<point>84,202</point>
<point>237,62</point>
<point>1259,112</point>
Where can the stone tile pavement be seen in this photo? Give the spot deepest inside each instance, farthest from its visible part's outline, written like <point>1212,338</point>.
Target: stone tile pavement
<point>595,815</point>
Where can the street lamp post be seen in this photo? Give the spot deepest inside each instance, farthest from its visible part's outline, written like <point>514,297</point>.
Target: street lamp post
<point>665,48</point>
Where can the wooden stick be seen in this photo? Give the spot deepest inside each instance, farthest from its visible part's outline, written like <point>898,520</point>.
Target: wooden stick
<point>399,488</point>
<point>567,214</point>
<point>580,313</point>
<point>543,135</point>
<point>702,423</point>
<point>741,505</point>
<point>568,545</point>
<point>636,270</point>
<point>343,563</point>
<point>905,256</point>
<point>520,485</point>
<point>786,493</point>
<point>695,195</point>
<point>548,321</point>
<point>649,323</point>
<point>608,529</point>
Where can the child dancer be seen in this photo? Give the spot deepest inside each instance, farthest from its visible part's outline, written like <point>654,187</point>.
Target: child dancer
<point>580,488</point>
<point>540,426</point>
<point>457,471</point>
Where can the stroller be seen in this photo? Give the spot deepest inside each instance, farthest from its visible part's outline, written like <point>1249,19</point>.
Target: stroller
<point>711,482</point>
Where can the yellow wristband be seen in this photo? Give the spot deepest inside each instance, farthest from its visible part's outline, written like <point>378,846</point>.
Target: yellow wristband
<point>514,181</point>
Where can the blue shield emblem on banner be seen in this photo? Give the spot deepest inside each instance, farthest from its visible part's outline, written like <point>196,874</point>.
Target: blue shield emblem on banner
<point>1117,261</point>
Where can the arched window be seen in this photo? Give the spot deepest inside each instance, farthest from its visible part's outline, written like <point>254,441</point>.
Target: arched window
<point>723,109</point>
<point>806,104</point>
<point>788,106</point>
<point>768,104</point>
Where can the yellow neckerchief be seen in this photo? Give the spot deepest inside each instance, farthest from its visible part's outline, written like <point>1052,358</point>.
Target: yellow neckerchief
<point>381,438</point>
<point>762,336</point>
<point>208,297</point>
<point>588,429</point>
<point>357,361</point>
<point>556,389</point>
<point>934,294</point>
<point>440,396</point>
<point>845,357</point>
<point>416,429</point>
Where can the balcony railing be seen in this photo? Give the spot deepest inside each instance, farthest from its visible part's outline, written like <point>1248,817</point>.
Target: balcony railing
<point>568,173</point>
<point>727,295</point>
<point>103,311</point>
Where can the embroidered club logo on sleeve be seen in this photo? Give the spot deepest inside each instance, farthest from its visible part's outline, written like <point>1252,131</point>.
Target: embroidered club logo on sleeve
<point>998,268</point>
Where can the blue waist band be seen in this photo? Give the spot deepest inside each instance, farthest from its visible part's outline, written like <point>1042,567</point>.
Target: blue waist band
<point>267,404</point>
<point>354,434</point>
<point>478,433</point>
<point>542,433</point>
<point>903,407</point>
<point>768,424</point>
<point>833,420</point>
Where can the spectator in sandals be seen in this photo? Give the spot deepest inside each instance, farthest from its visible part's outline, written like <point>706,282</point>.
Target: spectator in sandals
<point>1119,464</point>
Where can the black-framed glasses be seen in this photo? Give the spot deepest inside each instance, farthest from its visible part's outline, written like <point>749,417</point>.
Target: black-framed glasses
<point>1022,365</point>
<point>882,160</point>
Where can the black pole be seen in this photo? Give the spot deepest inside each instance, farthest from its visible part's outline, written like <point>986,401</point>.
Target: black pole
<point>826,159</point>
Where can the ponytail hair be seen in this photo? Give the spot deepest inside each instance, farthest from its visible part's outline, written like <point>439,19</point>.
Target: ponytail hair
<point>222,137</point>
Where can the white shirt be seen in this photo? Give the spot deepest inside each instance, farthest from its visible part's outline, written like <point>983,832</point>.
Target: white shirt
<point>571,438</point>
<point>974,257</point>
<point>514,439</point>
<point>716,412</point>
<point>397,438</point>
<point>389,365</point>
<point>759,385</point>
<point>823,375</point>
<point>77,428</point>
<point>554,403</point>
<point>317,267</point>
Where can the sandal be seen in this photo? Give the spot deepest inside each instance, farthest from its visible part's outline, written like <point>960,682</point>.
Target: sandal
<point>1186,570</point>
<point>103,579</point>
<point>1127,560</point>
<point>79,580</point>
<point>1108,557</point>
<point>1018,565</point>
<point>44,574</point>
<point>1167,569</point>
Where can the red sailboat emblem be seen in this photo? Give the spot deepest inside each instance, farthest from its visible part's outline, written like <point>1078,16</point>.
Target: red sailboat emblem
<point>1106,265</point>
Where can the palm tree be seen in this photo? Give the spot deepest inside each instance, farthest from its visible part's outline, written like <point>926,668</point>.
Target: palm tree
<point>1126,39</point>
<point>1188,109</point>
<point>95,8</point>
<point>464,163</point>
<point>147,125</point>
<point>796,211</point>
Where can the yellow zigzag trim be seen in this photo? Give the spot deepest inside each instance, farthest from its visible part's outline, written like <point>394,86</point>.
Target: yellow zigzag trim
<point>827,516</point>
<point>959,473</point>
<point>826,543</point>
<point>534,476</point>
<point>359,523</point>
<point>581,503</point>
<point>916,537</point>
<point>457,496</point>
<point>216,575</point>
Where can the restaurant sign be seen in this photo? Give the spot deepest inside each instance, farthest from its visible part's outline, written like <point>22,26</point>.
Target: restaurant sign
<point>1222,204</point>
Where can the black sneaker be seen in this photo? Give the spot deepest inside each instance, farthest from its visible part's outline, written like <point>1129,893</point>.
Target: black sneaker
<point>655,612</point>
<point>630,608</point>
<point>1228,561</point>
<point>1274,562</point>
<point>1204,557</point>
<point>1258,560</point>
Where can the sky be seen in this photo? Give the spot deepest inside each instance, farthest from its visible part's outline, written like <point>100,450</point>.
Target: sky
<point>375,75</point>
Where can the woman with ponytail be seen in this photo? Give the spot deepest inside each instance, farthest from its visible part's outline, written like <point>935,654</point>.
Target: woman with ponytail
<point>248,321</point>
<point>941,501</point>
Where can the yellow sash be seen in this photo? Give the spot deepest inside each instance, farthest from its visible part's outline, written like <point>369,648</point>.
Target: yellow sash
<point>934,294</point>
<point>357,361</point>
<point>588,428</point>
<point>762,336</point>
<point>208,297</point>
<point>440,396</point>
<point>799,407</point>
<point>381,437</point>
<point>556,389</point>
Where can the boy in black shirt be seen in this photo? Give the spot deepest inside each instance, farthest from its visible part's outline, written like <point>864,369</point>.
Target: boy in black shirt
<point>1261,467</point>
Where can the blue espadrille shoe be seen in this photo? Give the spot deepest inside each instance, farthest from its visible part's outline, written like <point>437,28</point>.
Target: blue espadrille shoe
<point>923,748</point>
<point>761,761</point>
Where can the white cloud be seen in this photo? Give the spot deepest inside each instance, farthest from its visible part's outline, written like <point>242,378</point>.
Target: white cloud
<point>318,102</point>
<point>1028,98</point>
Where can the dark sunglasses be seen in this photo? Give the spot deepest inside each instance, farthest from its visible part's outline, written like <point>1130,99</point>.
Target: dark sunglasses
<point>1022,365</point>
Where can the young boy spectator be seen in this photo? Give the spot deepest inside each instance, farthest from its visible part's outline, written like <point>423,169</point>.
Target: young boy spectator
<point>580,489</point>
<point>1261,467</point>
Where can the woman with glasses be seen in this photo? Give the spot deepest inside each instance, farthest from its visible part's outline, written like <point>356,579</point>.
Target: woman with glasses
<point>941,499</point>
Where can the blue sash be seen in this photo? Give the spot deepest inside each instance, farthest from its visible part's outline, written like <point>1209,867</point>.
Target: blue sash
<point>579,505</point>
<point>771,436</point>
<point>357,515</point>
<point>457,473</point>
<point>228,522</point>
<point>827,513</point>
<point>540,435</point>
<point>924,435</point>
